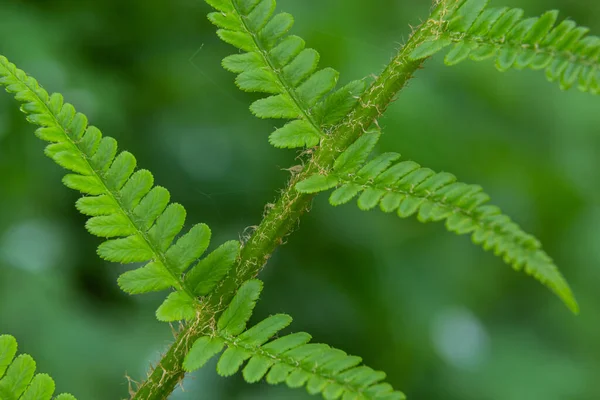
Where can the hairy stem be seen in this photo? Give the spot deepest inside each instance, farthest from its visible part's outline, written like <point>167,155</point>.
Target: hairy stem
<point>284,215</point>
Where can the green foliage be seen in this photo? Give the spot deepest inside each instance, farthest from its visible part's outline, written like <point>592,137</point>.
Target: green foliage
<point>289,359</point>
<point>407,189</point>
<point>18,379</point>
<point>141,225</point>
<point>564,51</point>
<point>124,205</point>
<point>280,65</point>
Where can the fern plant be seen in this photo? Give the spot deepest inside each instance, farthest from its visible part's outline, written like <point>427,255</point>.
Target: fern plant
<point>18,379</point>
<point>337,132</point>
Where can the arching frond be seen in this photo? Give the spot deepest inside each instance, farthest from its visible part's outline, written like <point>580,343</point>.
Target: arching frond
<point>564,51</point>
<point>136,217</point>
<point>406,188</point>
<point>18,379</point>
<point>278,64</point>
<point>289,359</point>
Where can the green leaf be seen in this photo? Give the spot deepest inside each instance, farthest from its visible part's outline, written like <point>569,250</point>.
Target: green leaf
<point>280,106</point>
<point>120,170</point>
<point>205,276</point>
<point>228,21</point>
<point>486,20</point>
<point>97,205</point>
<point>151,206</point>
<point>189,247</point>
<point>289,342</point>
<point>377,165</point>
<point>231,361</point>
<point>294,134</point>
<point>241,40</point>
<point>50,134</point>
<point>317,183</point>
<point>77,126</point>
<point>178,306</point>
<point>459,52</point>
<point>344,194</point>
<point>319,84</point>
<point>279,373</point>
<point>370,198</point>
<point>264,330</point>
<point>301,67</point>
<point>356,155</point>
<point>138,186</point>
<point>429,48</point>
<point>67,160</point>
<point>246,6</point>
<point>167,226</point>
<point>287,50</point>
<point>84,184</point>
<point>567,55</point>
<point>278,26</point>
<point>128,250</point>
<point>17,377</point>
<point>108,226</point>
<point>234,318</point>
<point>339,104</point>
<point>105,154</point>
<point>260,15</point>
<point>407,189</point>
<point>153,277</point>
<point>258,80</point>
<point>41,388</point>
<point>506,22</point>
<point>202,351</point>
<point>257,368</point>
<point>65,396</point>
<point>8,350</point>
<point>239,63</point>
<point>221,5</point>
<point>467,14</point>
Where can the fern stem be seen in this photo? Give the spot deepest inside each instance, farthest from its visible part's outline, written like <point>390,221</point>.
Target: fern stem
<point>284,215</point>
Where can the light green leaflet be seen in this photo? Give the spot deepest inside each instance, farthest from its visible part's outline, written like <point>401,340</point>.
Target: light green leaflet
<point>289,359</point>
<point>124,205</point>
<point>280,65</point>
<point>406,188</point>
<point>564,51</point>
<point>18,379</point>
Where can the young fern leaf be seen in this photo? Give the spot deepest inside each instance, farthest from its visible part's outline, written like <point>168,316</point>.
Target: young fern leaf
<point>406,189</point>
<point>18,379</point>
<point>125,207</point>
<point>290,359</point>
<point>280,65</point>
<point>477,32</point>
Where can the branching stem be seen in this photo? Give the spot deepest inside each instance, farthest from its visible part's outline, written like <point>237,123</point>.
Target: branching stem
<point>286,212</point>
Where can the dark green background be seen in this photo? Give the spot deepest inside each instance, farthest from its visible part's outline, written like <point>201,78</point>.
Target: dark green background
<point>443,318</point>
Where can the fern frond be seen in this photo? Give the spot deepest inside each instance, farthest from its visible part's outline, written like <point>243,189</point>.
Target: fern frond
<point>564,51</point>
<point>290,359</point>
<point>280,65</point>
<point>136,217</point>
<point>406,188</point>
<point>18,379</point>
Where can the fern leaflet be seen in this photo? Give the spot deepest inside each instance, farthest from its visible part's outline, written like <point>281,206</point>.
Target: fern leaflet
<point>18,379</point>
<point>406,188</point>
<point>477,32</point>
<point>124,205</point>
<point>290,359</point>
<point>280,65</point>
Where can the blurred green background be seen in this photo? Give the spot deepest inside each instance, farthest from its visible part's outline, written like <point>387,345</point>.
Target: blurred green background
<point>443,318</point>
